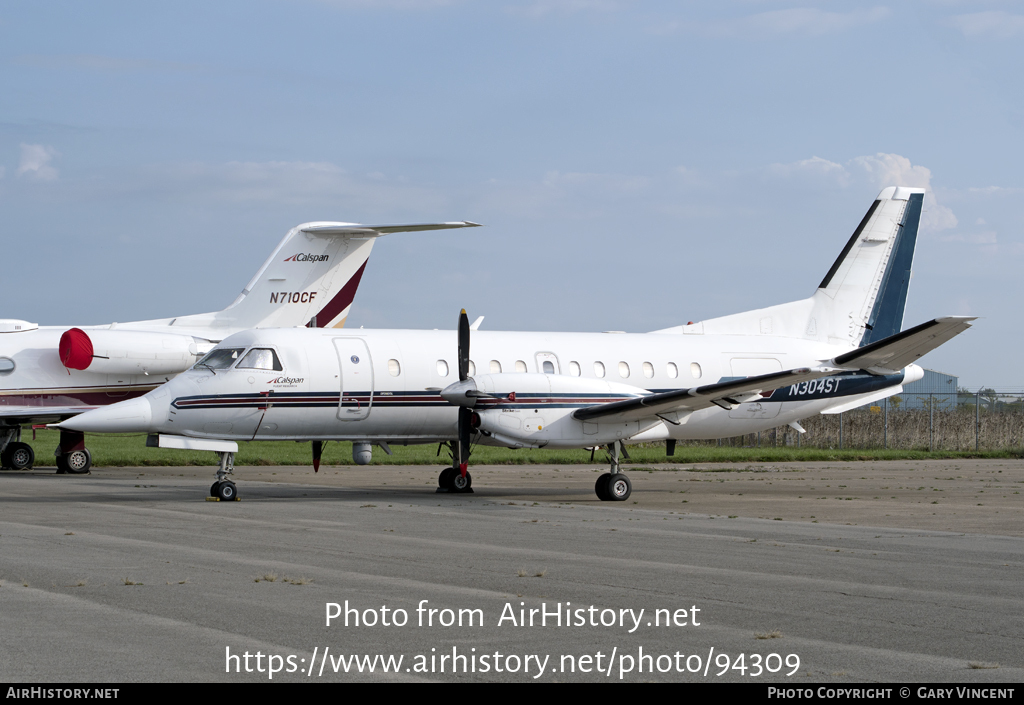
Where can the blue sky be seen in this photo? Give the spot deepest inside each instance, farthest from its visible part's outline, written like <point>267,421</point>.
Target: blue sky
<point>637,164</point>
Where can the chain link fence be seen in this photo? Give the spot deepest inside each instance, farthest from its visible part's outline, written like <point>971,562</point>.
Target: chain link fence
<point>961,421</point>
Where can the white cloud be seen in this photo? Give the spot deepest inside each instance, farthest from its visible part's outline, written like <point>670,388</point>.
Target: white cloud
<point>895,170</point>
<point>806,21</point>
<point>993,23</point>
<point>814,166</point>
<point>35,162</point>
<point>879,171</point>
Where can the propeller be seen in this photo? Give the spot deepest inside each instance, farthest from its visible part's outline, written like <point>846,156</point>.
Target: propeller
<point>465,413</point>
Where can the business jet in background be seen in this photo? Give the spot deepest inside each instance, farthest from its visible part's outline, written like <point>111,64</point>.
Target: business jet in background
<point>838,349</point>
<point>49,373</point>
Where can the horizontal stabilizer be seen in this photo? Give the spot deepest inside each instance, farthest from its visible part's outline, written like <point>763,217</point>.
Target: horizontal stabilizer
<point>727,395</point>
<point>375,230</point>
<point>892,354</point>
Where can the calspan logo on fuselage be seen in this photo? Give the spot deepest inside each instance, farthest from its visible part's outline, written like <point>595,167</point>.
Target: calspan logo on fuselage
<point>307,257</point>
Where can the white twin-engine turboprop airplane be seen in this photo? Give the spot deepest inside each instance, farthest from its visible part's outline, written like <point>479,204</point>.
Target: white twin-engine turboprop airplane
<point>54,372</point>
<point>839,349</point>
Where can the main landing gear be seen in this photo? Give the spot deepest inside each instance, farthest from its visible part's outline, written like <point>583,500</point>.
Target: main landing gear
<point>224,490</point>
<point>614,486</point>
<point>451,479</point>
<point>15,454</point>
<point>71,455</point>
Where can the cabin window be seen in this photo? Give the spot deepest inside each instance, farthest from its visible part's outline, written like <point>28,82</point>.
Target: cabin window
<point>574,368</point>
<point>394,368</point>
<point>549,367</point>
<point>623,370</point>
<point>261,359</point>
<point>520,366</point>
<point>6,365</point>
<point>495,367</point>
<point>472,368</point>
<point>672,370</point>
<point>648,370</point>
<point>442,368</point>
<point>695,370</point>
<point>599,369</point>
<point>219,358</point>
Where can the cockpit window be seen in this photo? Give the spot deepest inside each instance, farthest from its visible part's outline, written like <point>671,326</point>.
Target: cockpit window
<point>261,359</point>
<point>219,358</point>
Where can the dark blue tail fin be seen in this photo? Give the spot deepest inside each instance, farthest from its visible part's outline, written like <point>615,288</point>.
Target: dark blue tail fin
<point>886,317</point>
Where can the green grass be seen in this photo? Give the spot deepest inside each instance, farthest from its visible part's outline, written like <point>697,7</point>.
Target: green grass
<point>131,451</point>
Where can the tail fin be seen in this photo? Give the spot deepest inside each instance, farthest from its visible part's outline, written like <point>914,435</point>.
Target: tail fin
<point>310,279</point>
<point>862,297</point>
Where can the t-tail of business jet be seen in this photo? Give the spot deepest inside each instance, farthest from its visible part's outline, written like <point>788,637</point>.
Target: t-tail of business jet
<point>840,348</point>
<point>50,373</point>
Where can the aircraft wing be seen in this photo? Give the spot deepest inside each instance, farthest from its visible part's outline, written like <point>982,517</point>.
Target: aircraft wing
<point>886,356</point>
<point>889,355</point>
<point>40,414</point>
<point>727,395</point>
<point>385,229</point>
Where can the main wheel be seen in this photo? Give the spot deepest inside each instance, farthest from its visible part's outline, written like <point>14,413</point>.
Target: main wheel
<point>618,487</point>
<point>444,480</point>
<point>78,462</point>
<point>460,483</point>
<point>62,464</point>
<point>601,487</point>
<point>214,489</point>
<point>227,491</point>
<point>19,456</point>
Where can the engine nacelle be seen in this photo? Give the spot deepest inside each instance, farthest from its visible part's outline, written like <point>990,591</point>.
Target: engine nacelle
<point>535,410</point>
<point>129,352</point>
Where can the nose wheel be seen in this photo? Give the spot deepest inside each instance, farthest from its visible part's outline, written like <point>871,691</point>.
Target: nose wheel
<point>224,490</point>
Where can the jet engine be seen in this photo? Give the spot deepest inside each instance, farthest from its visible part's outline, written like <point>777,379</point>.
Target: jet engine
<point>129,352</point>
<point>536,410</point>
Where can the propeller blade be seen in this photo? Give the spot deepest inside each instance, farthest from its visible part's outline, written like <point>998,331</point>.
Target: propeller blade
<point>318,448</point>
<point>463,346</point>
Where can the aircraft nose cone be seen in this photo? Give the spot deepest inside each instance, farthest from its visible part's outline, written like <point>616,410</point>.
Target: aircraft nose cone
<point>131,416</point>
<point>460,393</point>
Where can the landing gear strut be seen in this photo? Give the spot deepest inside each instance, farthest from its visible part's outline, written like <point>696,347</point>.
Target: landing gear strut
<point>451,479</point>
<point>71,455</point>
<point>224,489</point>
<point>613,486</point>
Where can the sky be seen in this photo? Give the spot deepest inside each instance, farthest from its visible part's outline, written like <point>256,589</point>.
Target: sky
<point>637,165</point>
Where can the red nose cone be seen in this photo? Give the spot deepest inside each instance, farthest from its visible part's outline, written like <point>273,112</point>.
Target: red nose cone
<point>75,349</point>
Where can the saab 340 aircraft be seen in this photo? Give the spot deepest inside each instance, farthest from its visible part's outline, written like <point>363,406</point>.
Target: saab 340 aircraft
<point>53,372</point>
<point>839,349</point>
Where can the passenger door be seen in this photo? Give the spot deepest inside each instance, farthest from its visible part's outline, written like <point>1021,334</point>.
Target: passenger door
<point>356,379</point>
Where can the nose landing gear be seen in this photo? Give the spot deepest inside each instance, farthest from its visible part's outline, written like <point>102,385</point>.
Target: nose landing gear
<point>224,490</point>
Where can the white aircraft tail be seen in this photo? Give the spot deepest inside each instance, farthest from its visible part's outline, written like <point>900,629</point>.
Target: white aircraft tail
<point>862,297</point>
<point>310,279</point>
